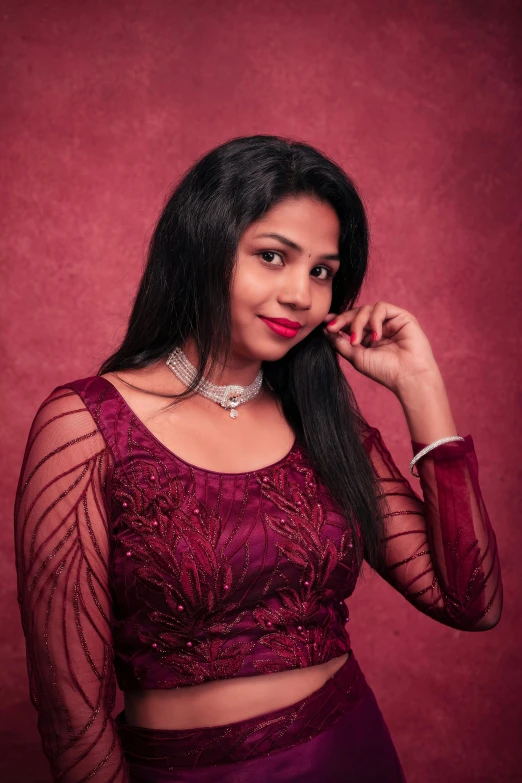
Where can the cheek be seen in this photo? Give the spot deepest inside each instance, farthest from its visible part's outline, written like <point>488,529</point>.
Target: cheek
<point>248,288</point>
<point>323,302</point>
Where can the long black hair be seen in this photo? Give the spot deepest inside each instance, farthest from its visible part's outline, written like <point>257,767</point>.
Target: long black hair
<point>185,293</point>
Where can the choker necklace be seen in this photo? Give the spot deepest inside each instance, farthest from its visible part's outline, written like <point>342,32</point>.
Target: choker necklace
<point>228,397</point>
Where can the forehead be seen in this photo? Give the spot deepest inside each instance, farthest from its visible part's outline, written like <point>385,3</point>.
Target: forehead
<point>303,219</point>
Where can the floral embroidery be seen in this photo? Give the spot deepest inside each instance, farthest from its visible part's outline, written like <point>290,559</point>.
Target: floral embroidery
<point>185,591</point>
<point>292,633</point>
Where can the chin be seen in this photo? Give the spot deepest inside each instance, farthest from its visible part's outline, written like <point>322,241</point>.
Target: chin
<point>273,353</point>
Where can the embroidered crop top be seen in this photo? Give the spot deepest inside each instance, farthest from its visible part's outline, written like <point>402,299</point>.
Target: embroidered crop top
<point>137,568</point>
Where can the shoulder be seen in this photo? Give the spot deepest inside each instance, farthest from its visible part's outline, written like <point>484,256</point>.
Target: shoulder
<point>155,378</point>
<point>82,386</point>
<point>66,411</point>
<point>62,435</point>
<point>66,399</point>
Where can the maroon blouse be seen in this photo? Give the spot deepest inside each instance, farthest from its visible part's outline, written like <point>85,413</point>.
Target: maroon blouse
<point>139,568</point>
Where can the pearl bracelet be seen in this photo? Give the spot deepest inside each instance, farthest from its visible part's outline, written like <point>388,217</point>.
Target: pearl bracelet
<point>429,448</point>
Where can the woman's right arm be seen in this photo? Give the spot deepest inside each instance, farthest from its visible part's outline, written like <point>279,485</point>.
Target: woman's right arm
<point>62,559</point>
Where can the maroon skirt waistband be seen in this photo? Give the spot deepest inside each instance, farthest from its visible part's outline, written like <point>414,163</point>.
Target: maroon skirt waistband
<point>261,735</point>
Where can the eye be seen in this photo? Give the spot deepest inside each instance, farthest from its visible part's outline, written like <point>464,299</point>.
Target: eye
<point>270,253</point>
<point>328,271</point>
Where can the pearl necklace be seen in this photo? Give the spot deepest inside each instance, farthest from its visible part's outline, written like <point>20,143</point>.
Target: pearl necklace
<point>228,397</point>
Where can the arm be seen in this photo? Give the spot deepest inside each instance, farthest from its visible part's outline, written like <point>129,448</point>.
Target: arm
<point>441,551</point>
<point>62,561</point>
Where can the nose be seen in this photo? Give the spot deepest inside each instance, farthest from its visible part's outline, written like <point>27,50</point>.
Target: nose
<point>296,291</point>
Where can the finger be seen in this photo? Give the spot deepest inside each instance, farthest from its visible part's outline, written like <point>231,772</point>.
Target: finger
<point>368,326</point>
<point>341,343</point>
<point>340,321</point>
<point>368,340</point>
<point>375,322</point>
<point>329,318</point>
<point>381,318</point>
<point>359,324</point>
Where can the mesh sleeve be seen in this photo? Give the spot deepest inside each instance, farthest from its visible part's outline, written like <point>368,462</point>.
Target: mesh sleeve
<point>62,559</point>
<point>440,549</point>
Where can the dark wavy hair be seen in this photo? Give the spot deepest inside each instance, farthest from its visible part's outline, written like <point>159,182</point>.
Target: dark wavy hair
<point>184,293</point>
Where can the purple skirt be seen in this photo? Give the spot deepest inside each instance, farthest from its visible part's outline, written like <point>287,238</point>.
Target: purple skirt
<point>337,734</point>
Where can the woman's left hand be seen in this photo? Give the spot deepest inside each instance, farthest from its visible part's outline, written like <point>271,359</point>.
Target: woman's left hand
<point>401,352</point>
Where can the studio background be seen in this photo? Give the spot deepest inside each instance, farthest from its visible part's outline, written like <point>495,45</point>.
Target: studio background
<point>104,107</point>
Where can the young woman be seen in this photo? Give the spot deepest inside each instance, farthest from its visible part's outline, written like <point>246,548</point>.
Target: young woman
<point>190,521</point>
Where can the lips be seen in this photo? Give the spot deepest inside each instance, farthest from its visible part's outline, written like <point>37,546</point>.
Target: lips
<point>280,328</point>
<point>283,322</point>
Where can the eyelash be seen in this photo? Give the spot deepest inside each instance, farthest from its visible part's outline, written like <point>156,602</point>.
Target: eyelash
<point>277,253</point>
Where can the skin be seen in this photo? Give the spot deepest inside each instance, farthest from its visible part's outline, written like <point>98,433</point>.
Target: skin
<point>275,280</point>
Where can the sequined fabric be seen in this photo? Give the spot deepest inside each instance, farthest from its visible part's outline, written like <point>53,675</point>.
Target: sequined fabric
<point>135,567</point>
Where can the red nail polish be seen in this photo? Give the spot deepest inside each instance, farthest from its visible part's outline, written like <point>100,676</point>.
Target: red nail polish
<point>331,322</point>
<point>353,337</point>
<point>374,335</point>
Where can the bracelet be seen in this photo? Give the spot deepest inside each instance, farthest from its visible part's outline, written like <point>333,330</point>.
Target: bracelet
<point>429,448</point>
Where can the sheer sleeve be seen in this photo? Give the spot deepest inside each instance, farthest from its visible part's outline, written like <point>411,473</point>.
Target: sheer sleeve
<point>62,561</point>
<point>440,550</point>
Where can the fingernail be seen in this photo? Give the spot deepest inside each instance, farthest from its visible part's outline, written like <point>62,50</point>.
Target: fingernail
<point>331,322</point>
<point>353,337</point>
<point>374,335</point>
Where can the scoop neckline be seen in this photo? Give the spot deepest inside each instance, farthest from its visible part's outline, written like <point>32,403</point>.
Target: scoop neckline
<point>177,458</point>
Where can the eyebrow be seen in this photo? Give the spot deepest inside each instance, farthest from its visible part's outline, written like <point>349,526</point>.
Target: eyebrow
<point>295,246</point>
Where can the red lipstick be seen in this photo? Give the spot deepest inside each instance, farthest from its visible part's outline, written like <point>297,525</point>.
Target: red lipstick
<point>284,322</point>
<point>282,326</point>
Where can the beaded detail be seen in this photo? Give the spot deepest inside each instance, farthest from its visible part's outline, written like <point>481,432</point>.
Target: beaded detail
<point>195,594</point>
<point>229,397</point>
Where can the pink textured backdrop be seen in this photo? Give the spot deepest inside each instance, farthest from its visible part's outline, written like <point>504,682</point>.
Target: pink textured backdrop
<point>107,103</point>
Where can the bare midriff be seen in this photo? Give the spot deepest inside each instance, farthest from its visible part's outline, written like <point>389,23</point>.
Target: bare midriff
<point>225,701</point>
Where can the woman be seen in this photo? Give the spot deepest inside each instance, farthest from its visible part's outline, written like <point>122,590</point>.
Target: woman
<point>190,520</point>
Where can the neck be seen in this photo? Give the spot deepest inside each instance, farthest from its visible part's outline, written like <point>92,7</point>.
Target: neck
<point>238,371</point>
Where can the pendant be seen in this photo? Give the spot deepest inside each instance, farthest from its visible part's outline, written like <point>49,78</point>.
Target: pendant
<point>232,399</point>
